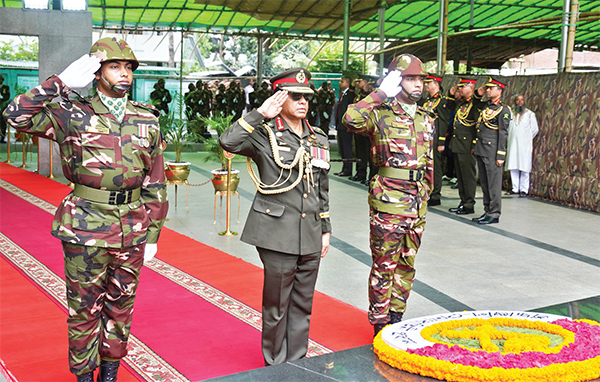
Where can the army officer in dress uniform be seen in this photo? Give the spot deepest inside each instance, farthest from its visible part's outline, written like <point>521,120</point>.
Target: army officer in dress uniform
<point>289,219</point>
<point>490,149</point>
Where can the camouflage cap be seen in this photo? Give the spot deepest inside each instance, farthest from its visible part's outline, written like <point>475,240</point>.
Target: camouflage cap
<point>293,80</point>
<point>112,48</point>
<point>408,65</point>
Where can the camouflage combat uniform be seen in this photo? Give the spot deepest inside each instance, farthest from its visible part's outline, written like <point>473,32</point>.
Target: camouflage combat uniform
<point>119,203</point>
<point>326,98</point>
<point>402,149</point>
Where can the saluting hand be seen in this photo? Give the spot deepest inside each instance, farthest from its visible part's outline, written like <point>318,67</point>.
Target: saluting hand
<point>391,83</point>
<point>80,72</point>
<point>272,105</point>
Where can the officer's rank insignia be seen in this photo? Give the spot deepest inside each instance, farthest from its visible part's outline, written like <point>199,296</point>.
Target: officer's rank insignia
<point>97,129</point>
<point>301,77</point>
<point>279,123</point>
<point>505,115</point>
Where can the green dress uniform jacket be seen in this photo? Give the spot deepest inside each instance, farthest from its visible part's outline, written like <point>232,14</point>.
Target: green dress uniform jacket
<point>293,221</point>
<point>467,113</point>
<point>100,155</point>
<point>492,131</point>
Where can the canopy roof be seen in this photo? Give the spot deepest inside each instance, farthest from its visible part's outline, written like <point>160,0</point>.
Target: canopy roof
<point>406,20</point>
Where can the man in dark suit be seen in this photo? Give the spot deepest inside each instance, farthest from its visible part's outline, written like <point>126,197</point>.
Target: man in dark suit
<point>344,137</point>
<point>289,219</point>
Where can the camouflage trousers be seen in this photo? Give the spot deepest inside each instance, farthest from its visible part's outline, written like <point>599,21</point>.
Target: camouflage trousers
<point>395,240</point>
<point>101,286</point>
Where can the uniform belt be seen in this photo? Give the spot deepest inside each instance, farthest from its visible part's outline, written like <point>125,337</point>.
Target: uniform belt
<point>106,196</point>
<point>402,174</point>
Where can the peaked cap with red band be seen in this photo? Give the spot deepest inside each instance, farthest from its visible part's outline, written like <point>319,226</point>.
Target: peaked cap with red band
<point>433,77</point>
<point>293,80</point>
<point>467,80</point>
<point>496,81</point>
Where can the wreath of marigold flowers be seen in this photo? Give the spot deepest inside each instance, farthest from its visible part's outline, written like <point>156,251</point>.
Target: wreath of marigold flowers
<point>527,357</point>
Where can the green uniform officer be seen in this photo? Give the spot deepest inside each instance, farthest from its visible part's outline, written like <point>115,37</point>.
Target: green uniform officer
<point>401,134</point>
<point>289,219</point>
<point>161,97</point>
<point>467,102</point>
<point>436,104</point>
<point>111,149</point>
<point>490,149</point>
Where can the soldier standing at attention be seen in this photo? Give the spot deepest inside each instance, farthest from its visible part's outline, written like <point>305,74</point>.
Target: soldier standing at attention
<point>436,106</point>
<point>344,137</point>
<point>462,143</point>
<point>490,150</point>
<point>111,148</point>
<point>289,219</point>
<point>401,134</point>
<point>188,99</point>
<point>221,101</point>
<point>326,98</point>
<point>313,107</point>
<point>362,143</point>
<point>161,97</point>
<point>262,94</point>
<point>4,98</point>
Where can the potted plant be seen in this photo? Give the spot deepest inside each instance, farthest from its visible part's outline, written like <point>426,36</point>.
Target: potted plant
<point>219,124</point>
<point>175,131</point>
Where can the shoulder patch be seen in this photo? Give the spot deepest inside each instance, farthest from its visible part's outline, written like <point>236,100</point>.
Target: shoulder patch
<point>506,116</point>
<point>146,106</point>
<point>318,130</point>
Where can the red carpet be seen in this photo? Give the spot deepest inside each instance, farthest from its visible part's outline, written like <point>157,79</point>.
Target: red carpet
<point>192,319</point>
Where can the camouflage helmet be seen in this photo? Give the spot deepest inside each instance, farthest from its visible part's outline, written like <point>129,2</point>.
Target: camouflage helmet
<point>111,48</point>
<point>408,65</point>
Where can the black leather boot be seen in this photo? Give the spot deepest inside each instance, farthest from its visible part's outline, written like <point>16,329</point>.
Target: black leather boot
<point>395,317</point>
<point>377,328</point>
<point>87,377</point>
<point>108,371</point>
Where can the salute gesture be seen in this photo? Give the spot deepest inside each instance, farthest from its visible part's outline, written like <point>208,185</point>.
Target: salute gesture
<point>273,105</point>
<point>80,72</point>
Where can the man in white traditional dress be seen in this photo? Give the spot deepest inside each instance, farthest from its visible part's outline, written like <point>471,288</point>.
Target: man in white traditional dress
<point>521,131</point>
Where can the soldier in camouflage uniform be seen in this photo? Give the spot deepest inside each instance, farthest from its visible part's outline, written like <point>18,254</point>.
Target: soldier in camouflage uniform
<point>262,94</point>
<point>436,105</point>
<point>289,219</point>
<point>490,149</point>
<point>202,99</point>
<point>326,97</point>
<point>401,134</point>
<point>161,97</point>
<point>189,103</point>
<point>313,107</point>
<point>4,98</point>
<point>111,149</point>
<point>221,101</point>
<point>362,143</point>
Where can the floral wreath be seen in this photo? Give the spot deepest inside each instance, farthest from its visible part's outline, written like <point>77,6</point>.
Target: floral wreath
<point>493,346</point>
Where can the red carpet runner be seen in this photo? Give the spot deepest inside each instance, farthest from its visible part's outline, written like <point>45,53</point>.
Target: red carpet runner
<point>197,314</point>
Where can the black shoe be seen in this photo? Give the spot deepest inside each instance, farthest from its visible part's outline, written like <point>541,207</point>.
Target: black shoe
<point>511,192</point>
<point>454,186</point>
<point>395,317</point>
<point>366,182</point>
<point>434,202</point>
<point>465,211</point>
<point>523,194</point>
<point>342,173</point>
<point>357,178</point>
<point>489,220</point>
<point>479,218</point>
<point>455,210</point>
<point>108,371</point>
<point>87,377</point>
<point>378,327</point>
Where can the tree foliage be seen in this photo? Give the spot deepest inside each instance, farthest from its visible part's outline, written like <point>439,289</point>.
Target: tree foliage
<point>24,50</point>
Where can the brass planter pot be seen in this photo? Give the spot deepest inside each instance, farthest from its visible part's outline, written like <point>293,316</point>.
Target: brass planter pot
<point>177,172</point>
<point>219,180</point>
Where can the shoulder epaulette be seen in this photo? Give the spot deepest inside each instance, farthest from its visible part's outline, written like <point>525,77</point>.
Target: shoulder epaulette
<point>146,106</point>
<point>318,130</point>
